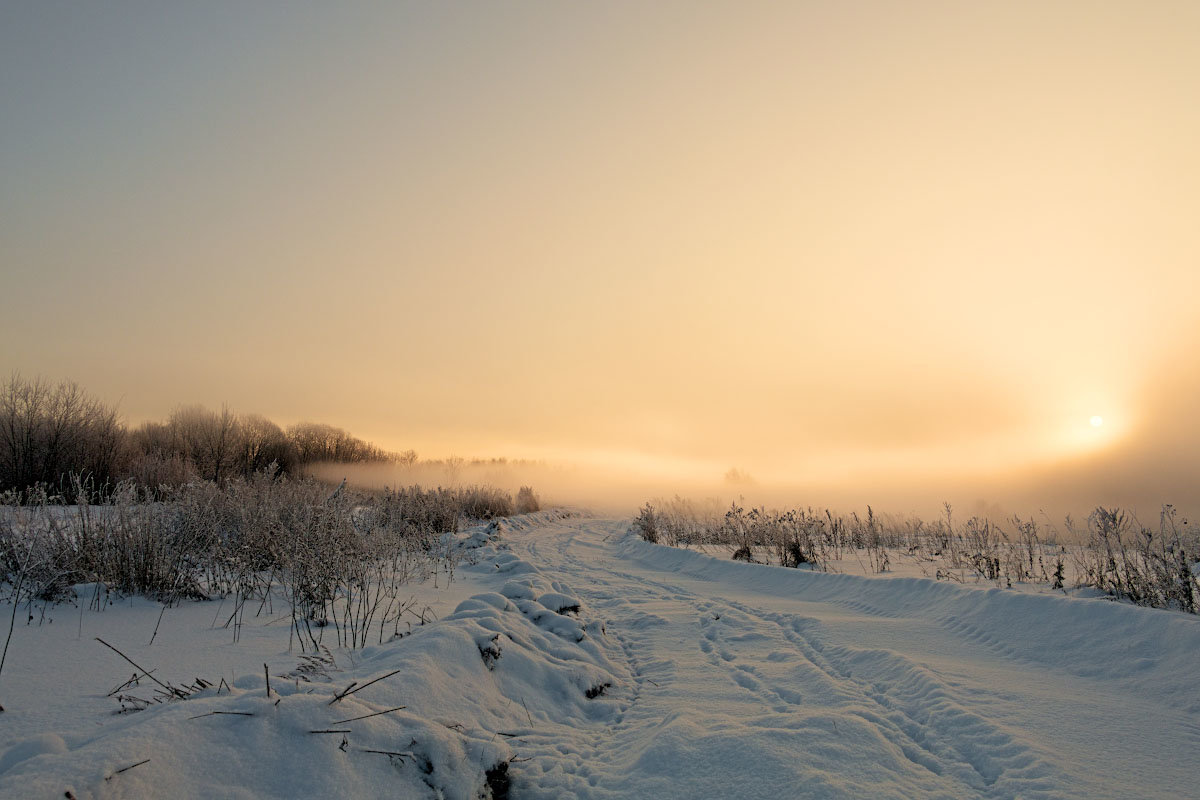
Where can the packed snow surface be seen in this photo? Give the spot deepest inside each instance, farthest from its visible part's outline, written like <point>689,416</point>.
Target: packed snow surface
<point>571,659</point>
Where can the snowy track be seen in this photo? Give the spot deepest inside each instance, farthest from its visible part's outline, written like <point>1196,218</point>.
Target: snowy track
<point>758,681</point>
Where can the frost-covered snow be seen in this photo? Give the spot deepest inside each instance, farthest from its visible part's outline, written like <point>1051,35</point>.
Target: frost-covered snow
<point>596,665</point>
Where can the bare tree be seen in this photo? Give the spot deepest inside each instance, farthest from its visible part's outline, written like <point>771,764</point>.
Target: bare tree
<point>49,431</point>
<point>208,439</point>
<point>318,442</point>
<point>263,443</point>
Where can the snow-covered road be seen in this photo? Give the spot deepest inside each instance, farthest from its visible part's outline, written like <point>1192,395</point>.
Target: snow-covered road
<point>753,681</point>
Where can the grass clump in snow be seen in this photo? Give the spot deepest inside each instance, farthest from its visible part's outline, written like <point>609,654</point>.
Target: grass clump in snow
<point>498,781</point>
<point>490,652</point>
<point>527,501</point>
<point>597,691</point>
<point>1150,568</point>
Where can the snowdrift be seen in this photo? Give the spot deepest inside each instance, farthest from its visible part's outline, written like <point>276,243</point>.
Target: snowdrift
<point>430,714</point>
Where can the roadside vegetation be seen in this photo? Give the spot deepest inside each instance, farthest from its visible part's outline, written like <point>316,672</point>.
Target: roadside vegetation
<point>217,505</point>
<point>1112,552</point>
<point>336,561</point>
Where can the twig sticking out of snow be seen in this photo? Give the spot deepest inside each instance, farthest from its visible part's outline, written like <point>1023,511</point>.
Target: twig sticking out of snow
<point>393,753</point>
<point>126,769</point>
<point>349,691</point>
<point>422,762</point>
<point>137,676</point>
<point>343,693</point>
<point>527,711</point>
<point>365,716</point>
<point>170,689</point>
<point>224,713</point>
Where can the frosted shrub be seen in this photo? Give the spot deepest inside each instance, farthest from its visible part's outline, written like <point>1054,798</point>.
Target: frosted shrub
<point>1136,563</point>
<point>36,549</point>
<point>484,502</point>
<point>647,524</point>
<point>527,501</point>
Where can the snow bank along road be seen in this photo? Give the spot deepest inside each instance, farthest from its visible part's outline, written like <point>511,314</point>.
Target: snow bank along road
<point>585,662</point>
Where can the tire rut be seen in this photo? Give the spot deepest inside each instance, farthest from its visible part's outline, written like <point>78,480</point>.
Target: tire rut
<point>787,662</point>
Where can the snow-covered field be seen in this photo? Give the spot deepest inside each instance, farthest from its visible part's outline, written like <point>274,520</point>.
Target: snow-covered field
<point>571,659</point>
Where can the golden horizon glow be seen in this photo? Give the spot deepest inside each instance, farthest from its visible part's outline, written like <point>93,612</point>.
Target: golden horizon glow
<point>859,249</point>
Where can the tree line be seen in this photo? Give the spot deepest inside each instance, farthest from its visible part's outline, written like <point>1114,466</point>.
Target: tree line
<point>50,431</point>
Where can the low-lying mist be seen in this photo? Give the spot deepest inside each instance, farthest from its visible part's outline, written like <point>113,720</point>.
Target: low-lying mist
<point>593,488</point>
<point>1049,494</point>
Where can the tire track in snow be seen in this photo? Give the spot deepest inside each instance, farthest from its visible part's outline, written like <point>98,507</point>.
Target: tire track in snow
<point>907,703</point>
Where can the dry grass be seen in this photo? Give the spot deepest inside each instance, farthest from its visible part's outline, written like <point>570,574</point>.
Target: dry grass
<point>1115,554</point>
<point>338,560</point>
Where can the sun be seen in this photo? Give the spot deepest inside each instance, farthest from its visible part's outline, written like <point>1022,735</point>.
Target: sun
<point>1097,421</point>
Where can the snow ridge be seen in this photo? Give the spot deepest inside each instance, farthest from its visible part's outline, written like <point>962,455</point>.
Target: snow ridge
<point>435,713</point>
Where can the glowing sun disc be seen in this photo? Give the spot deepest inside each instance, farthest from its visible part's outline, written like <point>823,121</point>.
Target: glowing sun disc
<point>1097,421</point>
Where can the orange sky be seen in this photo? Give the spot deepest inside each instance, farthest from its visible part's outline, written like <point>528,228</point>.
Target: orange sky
<point>866,249</point>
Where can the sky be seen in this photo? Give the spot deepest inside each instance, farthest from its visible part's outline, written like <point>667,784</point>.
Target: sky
<point>892,250</point>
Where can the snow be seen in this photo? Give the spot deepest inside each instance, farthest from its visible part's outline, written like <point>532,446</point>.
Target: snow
<point>594,664</point>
